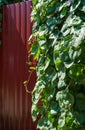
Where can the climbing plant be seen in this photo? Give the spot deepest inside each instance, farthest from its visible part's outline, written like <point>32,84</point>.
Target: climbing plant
<point>58,97</point>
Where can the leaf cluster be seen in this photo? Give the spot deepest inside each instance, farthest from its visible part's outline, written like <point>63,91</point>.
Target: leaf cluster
<point>59,94</point>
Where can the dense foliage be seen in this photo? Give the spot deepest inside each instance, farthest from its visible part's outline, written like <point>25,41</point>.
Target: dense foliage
<point>59,94</point>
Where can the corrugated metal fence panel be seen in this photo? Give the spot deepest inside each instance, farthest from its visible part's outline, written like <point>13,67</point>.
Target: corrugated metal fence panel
<point>15,103</point>
<point>0,61</point>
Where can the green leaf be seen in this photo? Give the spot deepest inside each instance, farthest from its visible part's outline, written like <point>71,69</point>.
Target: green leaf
<point>61,121</point>
<point>54,80</point>
<point>35,50</point>
<point>76,71</point>
<point>51,21</point>
<point>34,112</point>
<point>45,121</point>
<point>63,13</point>
<point>61,95</point>
<point>54,108</point>
<point>58,63</point>
<point>47,62</point>
<point>75,6</point>
<point>68,64</point>
<point>50,8</point>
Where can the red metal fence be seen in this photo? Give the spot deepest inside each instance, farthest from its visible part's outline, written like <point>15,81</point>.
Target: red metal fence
<point>15,103</point>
